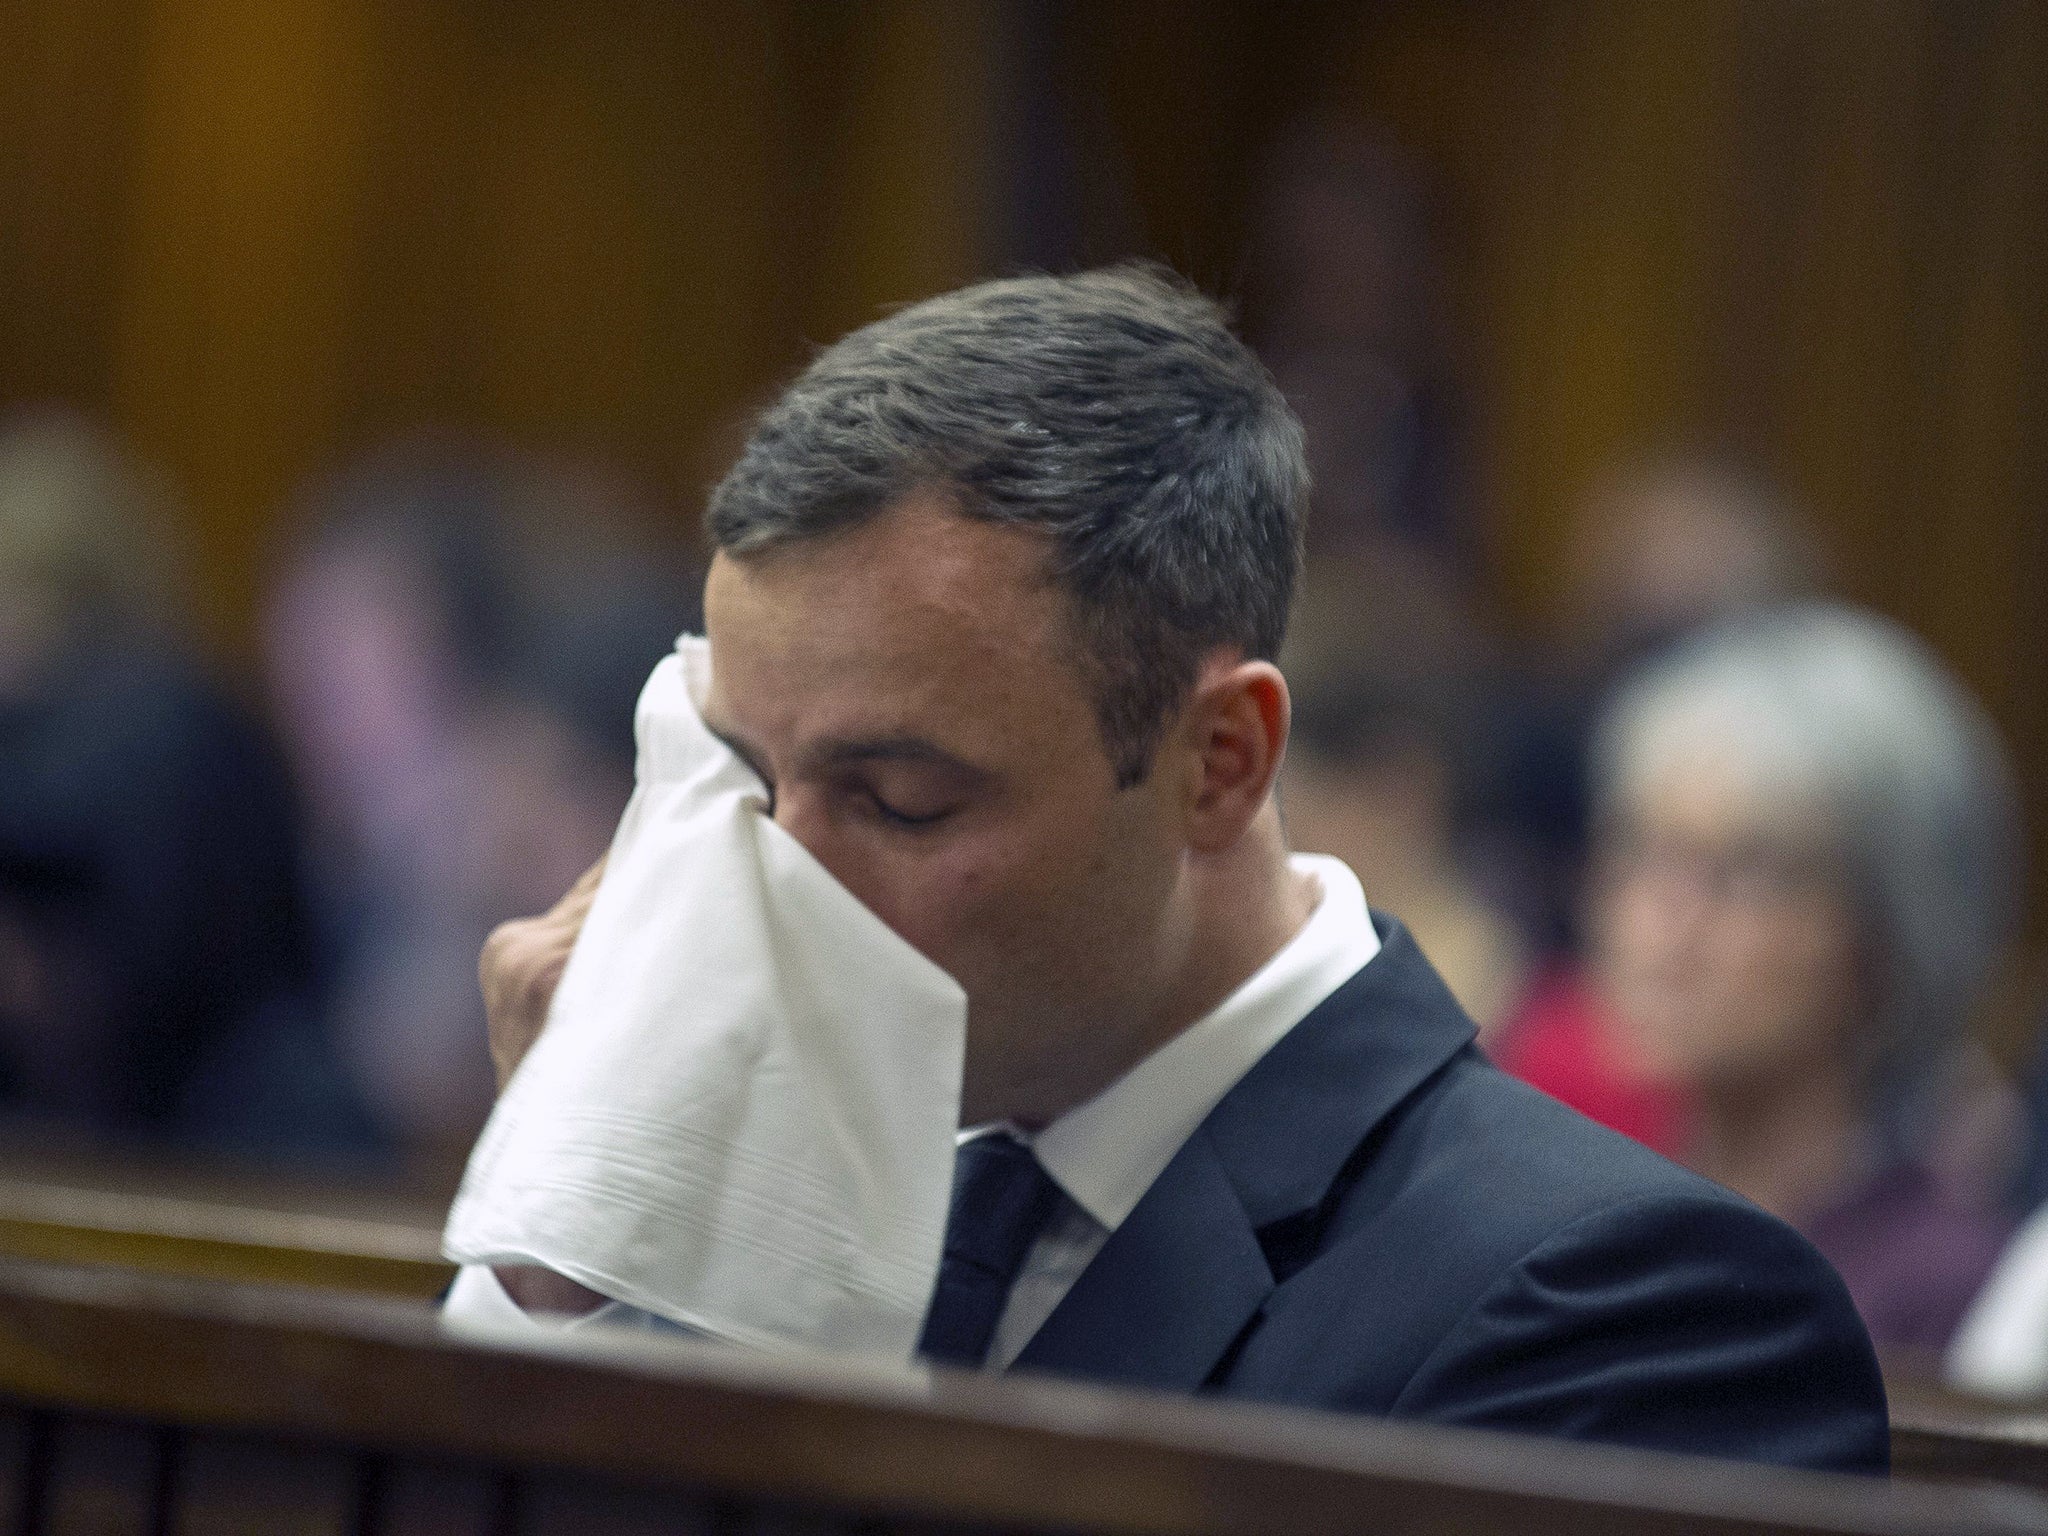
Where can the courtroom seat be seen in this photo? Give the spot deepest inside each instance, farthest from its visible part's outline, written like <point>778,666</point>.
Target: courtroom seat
<point>131,1401</point>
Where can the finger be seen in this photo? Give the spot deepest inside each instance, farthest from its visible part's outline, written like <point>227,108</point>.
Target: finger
<point>576,900</point>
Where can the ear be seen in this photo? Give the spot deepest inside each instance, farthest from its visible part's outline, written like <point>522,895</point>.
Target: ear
<point>1235,728</point>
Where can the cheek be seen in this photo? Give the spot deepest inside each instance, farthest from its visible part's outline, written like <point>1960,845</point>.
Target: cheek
<point>1798,964</point>
<point>1009,918</point>
<point>1680,984</point>
<point>1635,933</point>
<point>937,897</point>
<point>1649,998</point>
<point>1770,987</point>
<point>937,907</point>
<point>1015,911</point>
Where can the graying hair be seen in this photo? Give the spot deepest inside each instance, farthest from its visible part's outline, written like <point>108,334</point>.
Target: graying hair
<point>1848,708</point>
<point>1115,412</point>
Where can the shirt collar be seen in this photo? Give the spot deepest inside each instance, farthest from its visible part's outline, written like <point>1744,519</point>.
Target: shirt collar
<point>1107,1152</point>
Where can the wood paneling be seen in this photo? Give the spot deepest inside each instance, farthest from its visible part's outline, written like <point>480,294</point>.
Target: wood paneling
<point>219,1239</point>
<point>261,234</point>
<point>1939,1436</point>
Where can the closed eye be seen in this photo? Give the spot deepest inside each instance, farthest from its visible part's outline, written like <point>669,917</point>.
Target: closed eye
<point>900,818</point>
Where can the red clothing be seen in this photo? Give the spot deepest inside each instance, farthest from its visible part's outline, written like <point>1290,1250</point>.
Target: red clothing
<point>1557,1041</point>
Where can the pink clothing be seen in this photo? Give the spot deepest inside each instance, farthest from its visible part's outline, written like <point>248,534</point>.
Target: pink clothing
<point>1557,1041</point>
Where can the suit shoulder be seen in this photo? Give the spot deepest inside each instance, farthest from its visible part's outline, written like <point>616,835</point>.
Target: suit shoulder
<point>1477,1141</point>
<point>1539,1177</point>
<point>1475,1176</point>
<point>1683,1321</point>
<point>1502,1260</point>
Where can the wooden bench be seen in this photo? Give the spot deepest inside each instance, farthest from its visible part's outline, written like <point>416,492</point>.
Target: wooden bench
<point>141,1403</point>
<point>214,1224</point>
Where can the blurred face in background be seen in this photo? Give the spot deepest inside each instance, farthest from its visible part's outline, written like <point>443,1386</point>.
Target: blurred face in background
<point>364,680</point>
<point>1724,936</point>
<point>1661,548</point>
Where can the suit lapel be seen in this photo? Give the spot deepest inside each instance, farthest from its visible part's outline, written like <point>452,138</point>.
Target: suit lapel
<point>1177,1282</point>
<point>1170,1289</point>
<point>1294,1120</point>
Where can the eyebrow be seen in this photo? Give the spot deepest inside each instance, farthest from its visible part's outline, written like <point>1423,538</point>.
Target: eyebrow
<point>889,749</point>
<point>847,751</point>
<point>738,746</point>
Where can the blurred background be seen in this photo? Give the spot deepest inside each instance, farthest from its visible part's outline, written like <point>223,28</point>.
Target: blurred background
<point>363,367</point>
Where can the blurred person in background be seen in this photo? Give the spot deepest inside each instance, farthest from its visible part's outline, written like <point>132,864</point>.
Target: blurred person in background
<point>1805,870</point>
<point>1663,547</point>
<point>1667,544</point>
<point>156,968</point>
<point>1388,681</point>
<point>1345,305</point>
<point>455,650</point>
<point>2001,1349</point>
<point>1345,311</point>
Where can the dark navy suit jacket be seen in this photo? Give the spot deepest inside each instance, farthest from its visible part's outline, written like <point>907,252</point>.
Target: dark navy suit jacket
<point>1376,1219</point>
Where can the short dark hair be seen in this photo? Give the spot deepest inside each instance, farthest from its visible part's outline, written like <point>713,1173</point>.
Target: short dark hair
<point>1115,411</point>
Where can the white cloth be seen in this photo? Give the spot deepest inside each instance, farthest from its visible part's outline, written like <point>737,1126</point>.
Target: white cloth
<point>1106,1153</point>
<point>2001,1347</point>
<point>742,1114</point>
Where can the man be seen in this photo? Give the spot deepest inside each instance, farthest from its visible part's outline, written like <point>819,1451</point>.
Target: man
<point>997,587</point>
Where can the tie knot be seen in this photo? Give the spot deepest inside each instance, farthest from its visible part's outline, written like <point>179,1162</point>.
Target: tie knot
<point>1002,1195</point>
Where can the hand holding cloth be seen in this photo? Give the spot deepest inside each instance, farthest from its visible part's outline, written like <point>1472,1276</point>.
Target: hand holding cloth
<point>742,1113</point>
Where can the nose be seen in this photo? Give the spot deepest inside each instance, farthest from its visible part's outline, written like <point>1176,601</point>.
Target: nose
<point>789,811</point>
<point>805,817</point>
<point>1675,912</point>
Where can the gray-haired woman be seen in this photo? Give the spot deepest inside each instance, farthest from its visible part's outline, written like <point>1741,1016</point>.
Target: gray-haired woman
<point>1805,872</point>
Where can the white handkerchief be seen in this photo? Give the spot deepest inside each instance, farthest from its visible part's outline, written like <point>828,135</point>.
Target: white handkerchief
<point>742,1112</point>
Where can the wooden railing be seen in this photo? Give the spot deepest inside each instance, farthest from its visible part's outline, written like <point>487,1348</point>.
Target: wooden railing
<point>213,1224</point>
<point>204,1225</point>
<point>150,1404</point>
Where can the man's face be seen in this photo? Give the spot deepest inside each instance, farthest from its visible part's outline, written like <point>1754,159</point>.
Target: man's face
<point>908,691</point>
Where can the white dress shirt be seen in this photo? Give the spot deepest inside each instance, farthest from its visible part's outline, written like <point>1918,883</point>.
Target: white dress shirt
<point>1106,1153</point>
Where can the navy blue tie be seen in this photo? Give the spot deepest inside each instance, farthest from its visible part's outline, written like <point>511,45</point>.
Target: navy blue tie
<point>1001,1198</point>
